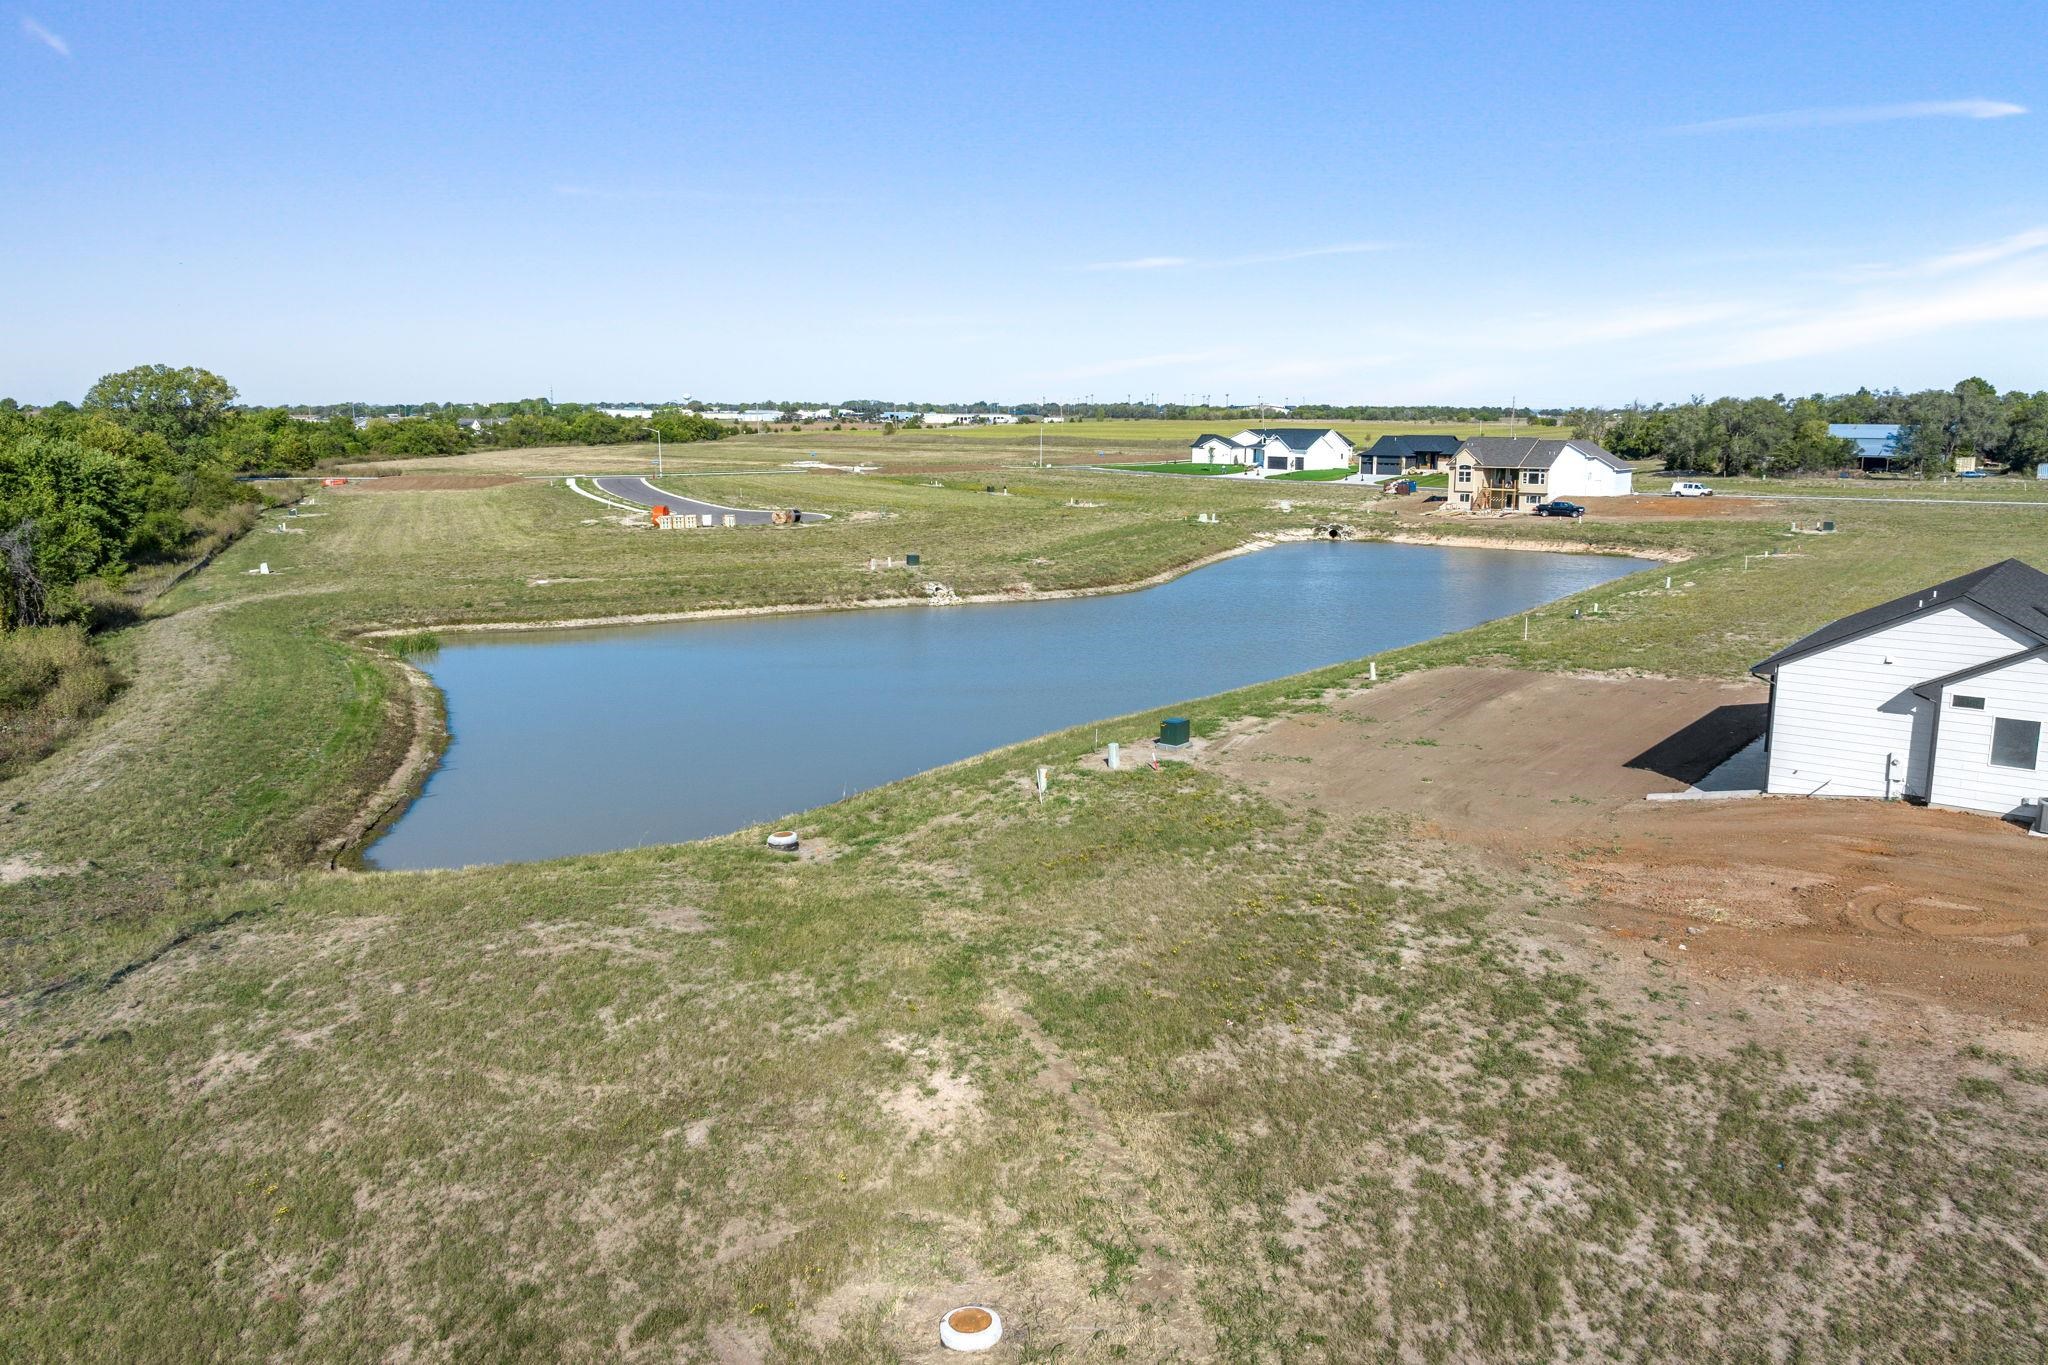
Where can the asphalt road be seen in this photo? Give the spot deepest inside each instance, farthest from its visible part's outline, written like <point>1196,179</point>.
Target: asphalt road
<point>647,495</point>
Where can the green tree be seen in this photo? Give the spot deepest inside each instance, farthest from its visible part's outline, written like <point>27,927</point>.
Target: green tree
<point>177,404</point>
<point>1942,425</point>
<point>2026,437</point>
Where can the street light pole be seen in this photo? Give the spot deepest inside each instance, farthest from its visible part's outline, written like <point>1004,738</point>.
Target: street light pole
<point>658,469</point>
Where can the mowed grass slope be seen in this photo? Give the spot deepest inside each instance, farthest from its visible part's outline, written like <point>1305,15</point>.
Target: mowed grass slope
<point>1162,1070</point>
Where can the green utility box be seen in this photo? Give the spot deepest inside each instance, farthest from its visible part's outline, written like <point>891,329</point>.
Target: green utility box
<point>1174,731</point>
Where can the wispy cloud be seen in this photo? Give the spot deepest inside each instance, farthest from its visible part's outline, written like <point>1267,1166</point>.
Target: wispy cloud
<point>1255,258</point>
<point>1143,263</point>
<point>1863,113</point>
<point>36,31</point>
<point>1874,320</point>
<point>1990,253</point>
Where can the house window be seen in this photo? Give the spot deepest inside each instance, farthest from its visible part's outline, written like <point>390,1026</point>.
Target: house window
<point>2015,743</point>
<point>1532,475</point>
<point>1464,473</point>
<point>1969,703</point>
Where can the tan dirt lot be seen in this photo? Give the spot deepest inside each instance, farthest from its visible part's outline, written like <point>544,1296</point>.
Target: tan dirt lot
<point>1640,507</point>
<point>1936,906</point>
<point>428,483</point>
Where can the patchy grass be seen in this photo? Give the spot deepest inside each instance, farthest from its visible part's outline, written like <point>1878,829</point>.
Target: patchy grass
<point>1165,1071</point>
<point>1235,1086</point>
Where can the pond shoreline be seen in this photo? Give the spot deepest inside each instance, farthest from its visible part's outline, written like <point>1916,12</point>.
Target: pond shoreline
<point>684,708</point>
<point>1159,579</point>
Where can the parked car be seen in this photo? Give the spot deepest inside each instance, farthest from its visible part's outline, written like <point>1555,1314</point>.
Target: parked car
<point>1560,508</point>
<point>1974,474</point>
<point>1686,488</point>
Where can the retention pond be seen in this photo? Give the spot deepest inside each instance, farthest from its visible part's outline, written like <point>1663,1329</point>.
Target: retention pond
<point>579,741</point>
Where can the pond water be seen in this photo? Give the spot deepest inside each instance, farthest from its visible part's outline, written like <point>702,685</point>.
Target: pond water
<point>577,741</point>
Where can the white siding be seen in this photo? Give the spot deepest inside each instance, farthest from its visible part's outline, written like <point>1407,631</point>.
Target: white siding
<point>1839,713</point>
<point>1575,475</point>
<point>1330,451</point>
<point>1964,775</point>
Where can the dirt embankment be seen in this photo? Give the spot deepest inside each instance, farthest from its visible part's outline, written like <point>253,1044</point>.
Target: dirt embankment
<point>1549,771</point>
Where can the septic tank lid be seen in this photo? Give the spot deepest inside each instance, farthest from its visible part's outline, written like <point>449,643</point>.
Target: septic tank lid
<point>971,1327</point>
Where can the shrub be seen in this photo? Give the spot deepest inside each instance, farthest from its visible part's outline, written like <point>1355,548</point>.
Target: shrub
<point>52,680</point>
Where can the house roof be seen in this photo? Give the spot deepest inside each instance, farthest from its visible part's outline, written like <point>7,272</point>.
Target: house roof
<point>1933,686</point>
<point>1530,452</point>
<point>1416,444</point>
<point>1865,431</point>
<point>2012,590</point>
<point>1294,438</point>
<point>1212,436</point>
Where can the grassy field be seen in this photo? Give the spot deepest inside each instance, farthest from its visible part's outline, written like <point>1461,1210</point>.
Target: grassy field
<point>910,451</point>
<point>1164,1070</point>
<point>1181,467</point>
<point>1313,475</point>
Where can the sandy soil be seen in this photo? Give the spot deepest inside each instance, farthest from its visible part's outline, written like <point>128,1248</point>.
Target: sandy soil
<point>1549,771</point>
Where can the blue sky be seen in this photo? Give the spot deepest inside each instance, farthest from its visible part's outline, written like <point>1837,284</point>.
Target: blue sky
<point>1365,203</point>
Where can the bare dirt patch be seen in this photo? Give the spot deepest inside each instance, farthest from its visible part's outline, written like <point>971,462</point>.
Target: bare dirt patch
<point>21,869</point>
<point>1647,506</point>
<point>1652,507</point>
<point>1549,770</point>
<point>1938,905</point>
<point>1503,759</point>
<point>428,483</point>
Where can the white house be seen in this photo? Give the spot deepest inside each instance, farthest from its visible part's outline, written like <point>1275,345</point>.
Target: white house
<point>1275,450</point>
<point>970,419</point>
<point>1937,697</point>
<point>1514,473</point>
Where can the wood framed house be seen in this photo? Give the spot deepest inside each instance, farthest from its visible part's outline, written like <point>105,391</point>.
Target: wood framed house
<point>1939,697</point>
<point>1514,473</point>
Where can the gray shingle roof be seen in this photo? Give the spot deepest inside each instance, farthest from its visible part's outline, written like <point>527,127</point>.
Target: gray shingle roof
<point>2012,590</point>
<point>1413,444</point>
<point>1212,436</point>
<point>1931,689</point>
<point>1531,452</point>
<point>1294,438</point>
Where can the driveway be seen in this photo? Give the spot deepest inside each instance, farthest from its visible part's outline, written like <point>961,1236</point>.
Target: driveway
<point>634,489</point>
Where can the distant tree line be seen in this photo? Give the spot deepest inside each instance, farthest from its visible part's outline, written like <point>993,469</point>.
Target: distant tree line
<point>1780,435</point>
<point>144,467</point>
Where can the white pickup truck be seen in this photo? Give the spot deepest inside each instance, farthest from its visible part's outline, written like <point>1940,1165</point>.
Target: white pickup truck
<point>1688,489</point>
